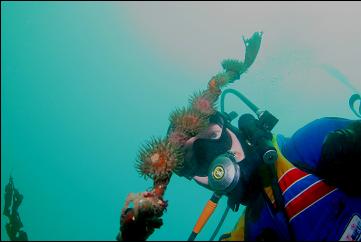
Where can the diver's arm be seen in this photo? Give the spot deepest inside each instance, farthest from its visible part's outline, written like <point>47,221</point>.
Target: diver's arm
<point>329,148</point>
<point>304,147</point>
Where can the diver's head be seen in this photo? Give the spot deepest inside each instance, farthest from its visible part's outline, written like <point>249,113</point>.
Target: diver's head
<point>222,145</point>
<point>199,151</point>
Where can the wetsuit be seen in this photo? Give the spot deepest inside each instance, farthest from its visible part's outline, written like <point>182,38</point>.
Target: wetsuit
<point>312,207</point>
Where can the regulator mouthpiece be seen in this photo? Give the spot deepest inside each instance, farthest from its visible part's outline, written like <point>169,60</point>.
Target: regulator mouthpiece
<point>223,174</point>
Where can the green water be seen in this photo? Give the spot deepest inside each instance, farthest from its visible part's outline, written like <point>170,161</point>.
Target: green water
<point>84,84</point>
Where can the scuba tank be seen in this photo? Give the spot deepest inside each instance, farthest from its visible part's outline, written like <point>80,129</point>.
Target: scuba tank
<point>257,132</point>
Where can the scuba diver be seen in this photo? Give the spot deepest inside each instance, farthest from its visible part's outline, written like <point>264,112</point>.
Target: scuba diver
<point>303,187</point>
<point>311,192</point>
<point>13,200</point>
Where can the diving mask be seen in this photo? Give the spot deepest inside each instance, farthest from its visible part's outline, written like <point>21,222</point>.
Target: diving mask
<point>200,150</point>
<point>207,149</point>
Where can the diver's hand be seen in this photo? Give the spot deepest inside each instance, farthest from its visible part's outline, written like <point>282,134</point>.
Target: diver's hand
<point>203,181</point>
<point>341,158</point>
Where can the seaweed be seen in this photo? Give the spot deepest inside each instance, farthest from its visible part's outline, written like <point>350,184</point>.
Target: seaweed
<point>13,199</point>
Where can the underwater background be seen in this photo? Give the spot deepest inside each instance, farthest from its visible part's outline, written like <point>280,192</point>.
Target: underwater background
<point>84,84</point>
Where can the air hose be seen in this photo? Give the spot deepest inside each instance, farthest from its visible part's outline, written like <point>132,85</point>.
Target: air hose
<point>206,214</point>
<point>220,224</point>
<point>353,99</point>
<point>251,105</point>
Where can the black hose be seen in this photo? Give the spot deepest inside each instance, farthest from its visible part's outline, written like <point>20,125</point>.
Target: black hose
<point>355,97</point>
<point>251,105</point>
<point>220,224</point>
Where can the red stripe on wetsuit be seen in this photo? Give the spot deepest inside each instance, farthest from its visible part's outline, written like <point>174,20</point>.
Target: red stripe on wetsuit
<point>290,177</point>
<point>306,197</point>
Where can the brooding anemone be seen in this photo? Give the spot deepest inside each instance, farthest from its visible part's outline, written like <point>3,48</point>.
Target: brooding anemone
<point>203,102</point>
<point>177,138</point>
<point>219,81</point>
<point>233,70</point>
<point>233,65</point>
<point>157,159</point>
<point>188,121</point>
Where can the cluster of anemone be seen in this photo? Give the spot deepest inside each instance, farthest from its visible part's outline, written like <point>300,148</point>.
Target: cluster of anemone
<point>160,157</point>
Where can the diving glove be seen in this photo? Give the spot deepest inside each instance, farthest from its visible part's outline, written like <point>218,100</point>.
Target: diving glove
<point>340,162</point>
